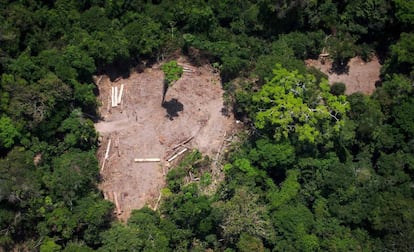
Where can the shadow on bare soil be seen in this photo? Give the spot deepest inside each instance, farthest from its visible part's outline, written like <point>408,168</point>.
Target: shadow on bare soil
<point>172,107</point>
<point>340,67</point>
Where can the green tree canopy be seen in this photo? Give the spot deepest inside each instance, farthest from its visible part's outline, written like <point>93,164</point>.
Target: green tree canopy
<point>292,104</point>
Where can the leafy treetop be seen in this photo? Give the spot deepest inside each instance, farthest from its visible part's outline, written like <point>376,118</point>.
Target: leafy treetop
<point>172,72</point>
<point>296,104</point>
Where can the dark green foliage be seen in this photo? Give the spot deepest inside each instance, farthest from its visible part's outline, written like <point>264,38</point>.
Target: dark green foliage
<point>338,88</point>
<point>401,52</point>
<point>145,231</point>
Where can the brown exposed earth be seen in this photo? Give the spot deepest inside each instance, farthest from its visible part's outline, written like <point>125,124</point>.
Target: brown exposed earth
<point>361,76</point>
<point>141,128</point>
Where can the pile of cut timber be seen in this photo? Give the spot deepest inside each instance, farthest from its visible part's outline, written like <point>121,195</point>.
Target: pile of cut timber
<point>187,69</point>
<point>116,98</point>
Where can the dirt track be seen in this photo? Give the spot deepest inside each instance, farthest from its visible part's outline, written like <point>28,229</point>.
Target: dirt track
<point>146,129</point>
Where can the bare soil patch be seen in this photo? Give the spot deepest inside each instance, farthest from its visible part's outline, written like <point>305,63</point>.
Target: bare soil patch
<point>360,77</point>
<point>142,128</point>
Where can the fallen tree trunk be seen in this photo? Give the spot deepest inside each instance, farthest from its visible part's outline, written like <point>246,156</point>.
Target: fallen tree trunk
<point>120,94</point>
<point>141,160</point>
<point>114,91</point>
<point>106,154</point>
<point>183,142</point>
<point>158,201</point>
<point>176,155</point>
<point>116,97</point>
<point>118,207</point>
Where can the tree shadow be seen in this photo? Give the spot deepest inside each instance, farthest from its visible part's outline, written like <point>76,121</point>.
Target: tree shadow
<point>120,68</point>
<point>172,107</point>
<point>340,67</point>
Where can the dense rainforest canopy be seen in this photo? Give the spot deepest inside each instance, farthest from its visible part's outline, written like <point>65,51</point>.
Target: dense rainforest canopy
<point>318,171</point>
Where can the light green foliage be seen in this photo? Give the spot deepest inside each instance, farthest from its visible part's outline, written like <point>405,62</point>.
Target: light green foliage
<point>8,132</point>
<point>50,246</point>
<point>175,177</point>
<point>291,103</point>
<point>242,164</point>
<point>205,179</point>
<point>76,247</point>
<point>172,72</point>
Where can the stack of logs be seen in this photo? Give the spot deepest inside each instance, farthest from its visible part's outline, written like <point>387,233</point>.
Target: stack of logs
<point>116,97</point>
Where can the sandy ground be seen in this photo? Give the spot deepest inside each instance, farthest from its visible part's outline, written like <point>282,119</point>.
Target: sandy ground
<point>361,76</point>
<point>141,128</point>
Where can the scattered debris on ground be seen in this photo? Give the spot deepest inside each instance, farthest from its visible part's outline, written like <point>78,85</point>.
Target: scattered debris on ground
<point>140,136</point>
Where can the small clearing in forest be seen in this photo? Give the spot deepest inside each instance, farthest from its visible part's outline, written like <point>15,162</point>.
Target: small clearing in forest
<point>360,76</point>
<point>140,127</point>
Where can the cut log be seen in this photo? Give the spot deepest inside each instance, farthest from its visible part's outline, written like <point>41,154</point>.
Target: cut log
<point>114,94</point>
<point>116,97</point>
<point>183,142</point>
<point>99,80</point>
<point>118,207</point>
<point>192,178</point>
<point>176,155</point>
<point>184,66</point>
<point>106,155</point>
<point>107,149</point>
<point>141,160</point>
<point>158,201</point>
<point>120,94</point>
<point>108,107</point>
